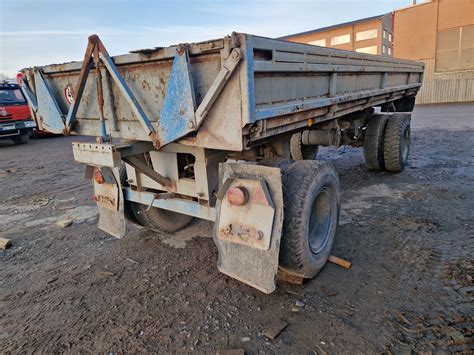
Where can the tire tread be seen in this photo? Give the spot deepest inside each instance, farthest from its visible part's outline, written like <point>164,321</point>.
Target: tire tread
<point>374,142</point>
<point>297,181</point>
<point>393,135</point>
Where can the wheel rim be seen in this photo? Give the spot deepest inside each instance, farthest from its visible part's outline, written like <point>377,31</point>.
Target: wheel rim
<point>321,220</point>
<point>405,143</point>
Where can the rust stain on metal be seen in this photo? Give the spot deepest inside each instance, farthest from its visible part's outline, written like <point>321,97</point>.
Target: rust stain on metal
<point>258,196</point>
<point>146,85</point>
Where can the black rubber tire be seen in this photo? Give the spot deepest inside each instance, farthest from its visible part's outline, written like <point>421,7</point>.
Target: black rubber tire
<point>22,138</point>
<point>299,151</point>
<point>155,219</point>
<point>128,211</point>
<point>160,220</point>
<point>308,187</point>
<point>397,142</point>
<point>374,142</point>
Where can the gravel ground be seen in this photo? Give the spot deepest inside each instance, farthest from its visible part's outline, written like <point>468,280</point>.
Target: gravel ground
<point>409,237</point>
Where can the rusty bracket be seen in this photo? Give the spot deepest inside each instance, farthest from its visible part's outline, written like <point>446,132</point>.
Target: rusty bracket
<point>145,169</point>
<point>219,82</point>
<point>95,52</point>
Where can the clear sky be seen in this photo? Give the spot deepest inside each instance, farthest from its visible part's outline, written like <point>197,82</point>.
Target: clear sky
<point>39,32</point>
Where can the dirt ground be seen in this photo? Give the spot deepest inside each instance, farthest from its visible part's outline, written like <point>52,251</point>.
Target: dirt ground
<point>409,237</point>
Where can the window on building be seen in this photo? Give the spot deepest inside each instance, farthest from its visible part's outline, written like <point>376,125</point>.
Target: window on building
<point>389,50</point>
<point>318,42</point>
<point>384,49</point>
<point>384,34</point>
<point>455,49</point>
<point>368,50</point>
<point>390,37</point>
<point>369,34</point>
<point>343,39</point>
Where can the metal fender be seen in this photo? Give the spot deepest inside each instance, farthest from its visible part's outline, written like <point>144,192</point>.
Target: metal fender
<point>109,198</point>
<point>249,222</point>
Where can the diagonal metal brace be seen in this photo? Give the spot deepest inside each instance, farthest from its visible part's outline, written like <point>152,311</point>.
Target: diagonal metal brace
<point>96,49</point>
<point>25,88</point>
<point>219,82</point>
<point>145,169</point>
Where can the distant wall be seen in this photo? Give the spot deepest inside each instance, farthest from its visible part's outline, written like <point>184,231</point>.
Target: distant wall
<point>415,32</point>
<point>441,34</point>
<point>324,37</point>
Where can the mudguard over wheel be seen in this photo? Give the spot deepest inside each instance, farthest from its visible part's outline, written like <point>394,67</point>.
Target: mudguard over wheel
<point>374,142</point>
<point>300,151</point>
<point>155,219</point>
<point>397,142</point>
<point>312,203</point>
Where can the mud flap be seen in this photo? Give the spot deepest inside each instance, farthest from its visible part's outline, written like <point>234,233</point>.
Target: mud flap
<point>248,236</point>
<point>110,202</point>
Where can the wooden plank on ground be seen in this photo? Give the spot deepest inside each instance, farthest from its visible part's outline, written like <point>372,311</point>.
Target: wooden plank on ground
<point>231,352</point>
<point>5,243</point>
<point>274,329</point>
<point>341,262</point>
<point>289,277</point>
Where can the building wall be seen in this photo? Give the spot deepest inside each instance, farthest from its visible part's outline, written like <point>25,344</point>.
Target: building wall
<point>415,32</point>
<point>454,13</point>
<point>441,34</point>
<point>445,87</point>
<point>381,24</point>
<point>438,32</point>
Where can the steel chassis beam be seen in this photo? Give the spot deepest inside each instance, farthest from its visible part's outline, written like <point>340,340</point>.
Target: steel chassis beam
<point>175,204</point>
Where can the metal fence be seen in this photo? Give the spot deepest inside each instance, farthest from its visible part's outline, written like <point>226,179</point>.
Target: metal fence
<point>445,87</point>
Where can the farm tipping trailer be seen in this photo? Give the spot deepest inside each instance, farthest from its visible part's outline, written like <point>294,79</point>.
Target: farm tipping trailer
<point>227,130</point>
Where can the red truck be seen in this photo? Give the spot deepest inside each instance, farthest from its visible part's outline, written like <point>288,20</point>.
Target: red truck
<point>15,116</point>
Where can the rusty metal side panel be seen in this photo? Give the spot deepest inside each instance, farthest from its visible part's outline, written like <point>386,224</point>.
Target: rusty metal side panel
<point>252,263</point>
<point>222,128</point>
<point>149,80</point>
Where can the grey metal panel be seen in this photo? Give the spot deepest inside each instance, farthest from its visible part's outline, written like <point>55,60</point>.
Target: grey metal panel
<point>277,88</point>
<point>271,44</point>
<point>47,109</point>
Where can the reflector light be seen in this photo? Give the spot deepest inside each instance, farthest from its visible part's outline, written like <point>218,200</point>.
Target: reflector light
<point>19,76</point>
<point>237,196</point>
<point>98,177</point>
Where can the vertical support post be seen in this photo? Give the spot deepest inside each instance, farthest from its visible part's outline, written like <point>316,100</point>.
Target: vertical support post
<point>332,91</point>
<point>81,83</point>
<point>333,84</point>
<point>100,95</point>
<point>110,98</point>
<point>383,83</point>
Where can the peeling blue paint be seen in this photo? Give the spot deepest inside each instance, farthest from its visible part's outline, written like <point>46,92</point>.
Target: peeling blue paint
<point>179,105</point>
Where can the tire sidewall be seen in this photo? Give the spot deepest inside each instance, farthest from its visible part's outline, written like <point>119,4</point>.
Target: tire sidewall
<point>326,181</point>
<point>402,158</point>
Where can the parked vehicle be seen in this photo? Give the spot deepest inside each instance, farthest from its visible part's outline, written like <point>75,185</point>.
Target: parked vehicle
<point>227,130</point>
<point>15,116</point>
